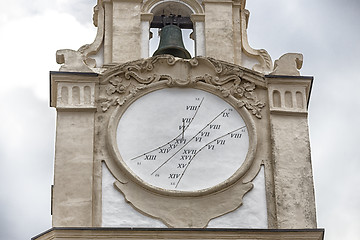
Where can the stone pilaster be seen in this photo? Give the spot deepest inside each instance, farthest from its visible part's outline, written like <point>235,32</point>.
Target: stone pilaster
<point>73,96</point>
<point>293,179</point>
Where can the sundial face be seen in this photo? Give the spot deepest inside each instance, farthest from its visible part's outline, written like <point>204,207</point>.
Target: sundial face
<point>182,139</point>
<point>181,136</point>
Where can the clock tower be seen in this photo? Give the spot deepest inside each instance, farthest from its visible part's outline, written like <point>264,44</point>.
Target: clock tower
<point>202,142</point>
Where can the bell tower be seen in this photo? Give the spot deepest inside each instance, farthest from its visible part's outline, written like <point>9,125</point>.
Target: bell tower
<point>202,143</point>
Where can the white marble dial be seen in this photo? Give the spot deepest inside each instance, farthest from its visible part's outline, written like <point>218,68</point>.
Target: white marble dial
<point>182,139</point>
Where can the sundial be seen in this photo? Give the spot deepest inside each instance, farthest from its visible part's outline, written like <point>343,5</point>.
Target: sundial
<point>178,139</point>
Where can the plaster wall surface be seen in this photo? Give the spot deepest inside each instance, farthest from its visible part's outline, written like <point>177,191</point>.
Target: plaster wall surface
<point>252,213</point>
<point>219,31</point>
<point>293,179</point>
<point>116,212</point>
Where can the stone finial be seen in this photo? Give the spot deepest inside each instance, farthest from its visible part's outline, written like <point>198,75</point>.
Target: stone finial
<point>288,64</point>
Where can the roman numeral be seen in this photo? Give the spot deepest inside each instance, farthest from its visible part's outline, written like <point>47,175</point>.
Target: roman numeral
<point>225,114</point>
<point>178,141</point>
<point>235,135</point>
<point>215,126</point>
<point>150,157</point>
<point>211,147</point>
<point>190,151</point>
<point>164,150</point>
<point>220,142</point>
<point>205,134</point>
<point>191,108</point>
<point>187,120</point>
<point>174,175</point>
<point>186,157</point>
<point>182,165</point>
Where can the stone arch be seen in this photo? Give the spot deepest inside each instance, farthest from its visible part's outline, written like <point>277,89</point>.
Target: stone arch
<point>151,6</point>
<point>185,8</point>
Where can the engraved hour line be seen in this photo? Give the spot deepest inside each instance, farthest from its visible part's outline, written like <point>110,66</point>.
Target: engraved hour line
<point>174,139</point>
<point>188,142</point>
<point>218,138</point>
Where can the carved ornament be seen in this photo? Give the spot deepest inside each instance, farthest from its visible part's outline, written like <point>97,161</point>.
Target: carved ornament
<point>126,81</point>
<point>288,64</point>
<point>265,63</point>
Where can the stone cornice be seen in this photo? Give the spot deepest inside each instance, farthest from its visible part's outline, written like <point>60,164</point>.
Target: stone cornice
<point>180,234</point>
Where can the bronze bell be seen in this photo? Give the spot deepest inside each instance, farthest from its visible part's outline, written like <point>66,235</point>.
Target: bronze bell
<point>171,42</point>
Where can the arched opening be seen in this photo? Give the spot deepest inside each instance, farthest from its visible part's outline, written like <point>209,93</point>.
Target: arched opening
<point>155,39</point>
<point>189,10</point>
<point>181,17</point>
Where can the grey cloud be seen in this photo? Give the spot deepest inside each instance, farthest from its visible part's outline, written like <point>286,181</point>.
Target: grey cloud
<point>26,163</point>
<point>82,10</point>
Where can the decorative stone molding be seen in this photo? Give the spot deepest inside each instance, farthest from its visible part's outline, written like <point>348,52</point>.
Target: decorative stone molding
<point>76,95</point>
<point>265,63</point>
<point>195,7</point>
<point>227,78</point>
<point>288,64</point>
<point>289,94</point>
<point>181,234</point>
<point>147,17</point>
<point>198,17</point>
<point>172,211</point>
<point>70,90</point>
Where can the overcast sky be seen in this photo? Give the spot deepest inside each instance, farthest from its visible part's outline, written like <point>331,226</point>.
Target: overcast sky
<point>326,32</point>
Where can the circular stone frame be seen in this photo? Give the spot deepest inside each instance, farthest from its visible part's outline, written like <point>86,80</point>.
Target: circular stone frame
<point>122,166</point>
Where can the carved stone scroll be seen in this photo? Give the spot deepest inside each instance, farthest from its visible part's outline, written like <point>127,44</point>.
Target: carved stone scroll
<point>126,81</point>
<point>265,63</point>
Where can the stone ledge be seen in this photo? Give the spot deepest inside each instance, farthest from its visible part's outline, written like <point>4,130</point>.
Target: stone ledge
<point>180,234</point>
